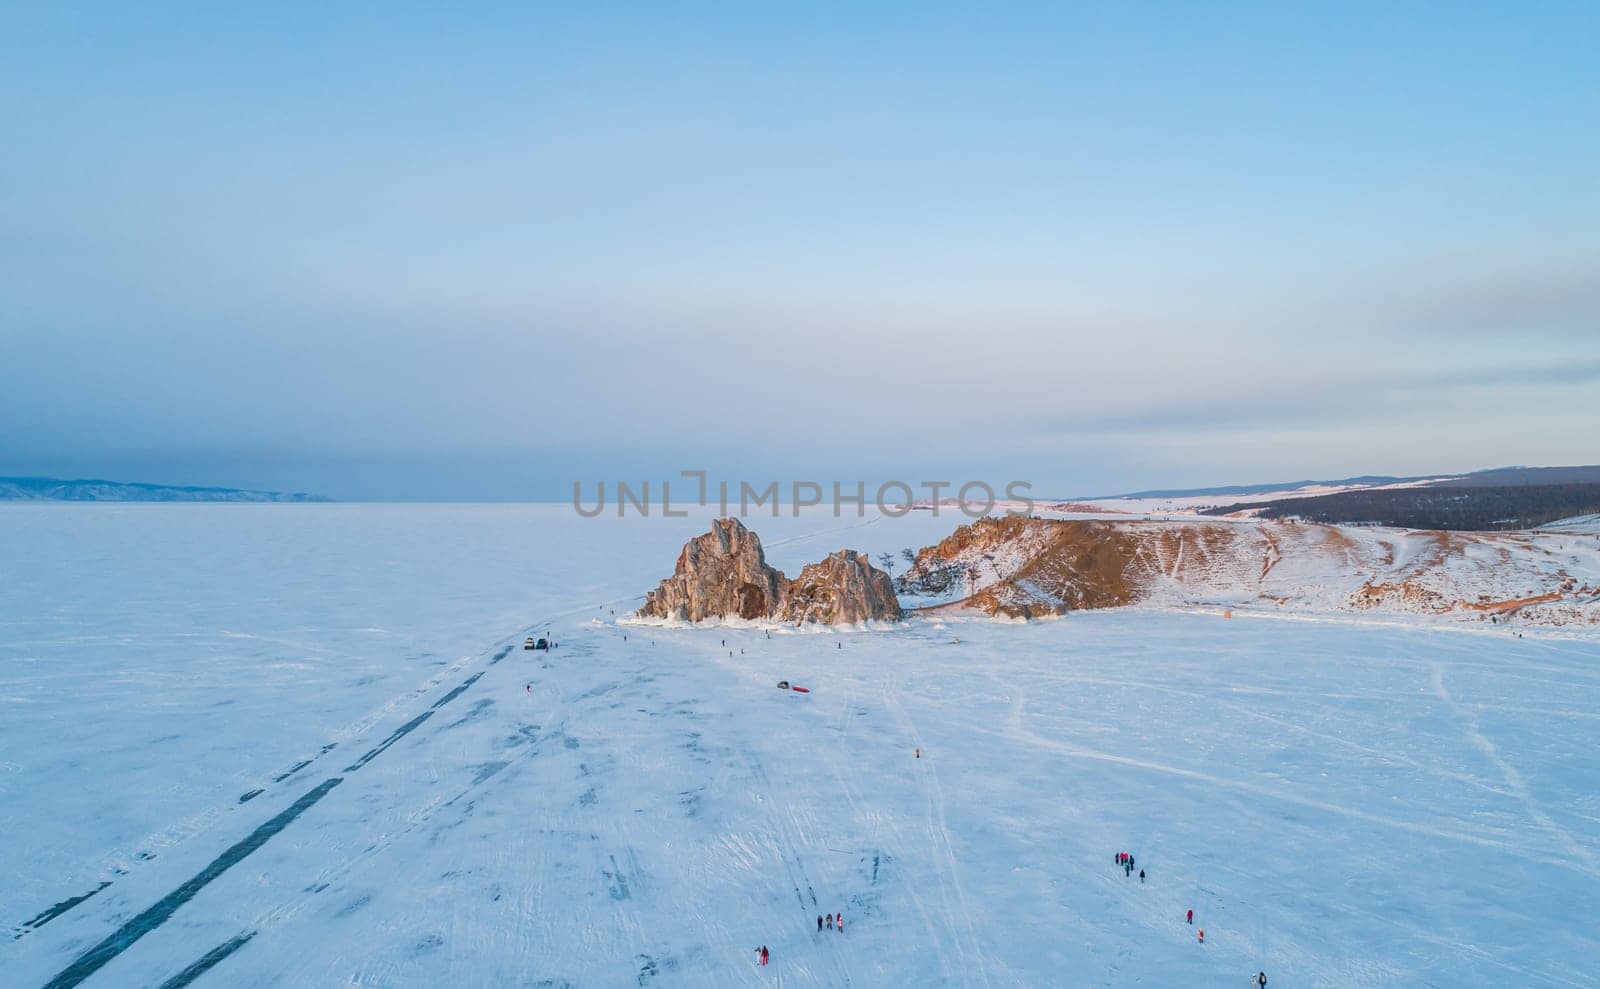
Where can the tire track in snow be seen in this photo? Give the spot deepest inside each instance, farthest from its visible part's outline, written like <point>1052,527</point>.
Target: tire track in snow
<point>1171,906</point>
<point>152,918</point>
<point>45,916</point>
<point>1249,711</point>
<point>208,961</point>
<point>822,532</point>
<point>939,835</point>
<point>416,818</point>
<point>879,819</point>
<point>1018,731</point>
<point>196,824</point>
<point>189,827</point>
<point>1513,778</point>
<point>787,834</point>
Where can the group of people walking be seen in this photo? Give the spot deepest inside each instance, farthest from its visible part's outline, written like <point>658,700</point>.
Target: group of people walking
<point>1125,859</point>
<point>832,921</point>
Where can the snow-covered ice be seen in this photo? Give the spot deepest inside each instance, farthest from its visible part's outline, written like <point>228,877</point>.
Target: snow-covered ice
<point>1341,804</point>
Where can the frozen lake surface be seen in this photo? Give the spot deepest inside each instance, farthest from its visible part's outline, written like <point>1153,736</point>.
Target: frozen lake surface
<point>261,745</point>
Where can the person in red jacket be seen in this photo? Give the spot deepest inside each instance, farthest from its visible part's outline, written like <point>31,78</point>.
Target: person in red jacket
<point>839,922</point>
<point>1190,917</point>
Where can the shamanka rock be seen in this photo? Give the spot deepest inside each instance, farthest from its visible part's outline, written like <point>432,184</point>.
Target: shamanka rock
<point>720,574</point>
<point>724,574</point>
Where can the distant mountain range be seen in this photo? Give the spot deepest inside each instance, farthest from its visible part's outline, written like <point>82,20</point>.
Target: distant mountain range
<point>1492,477</point>
<point>1500,498</point>
<point>1227,490</point>
<point>56,489</point>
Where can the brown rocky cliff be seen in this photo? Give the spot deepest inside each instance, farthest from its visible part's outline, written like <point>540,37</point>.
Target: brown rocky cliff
<point>843,589</point>
<point>720,574</point>
<point>1030,567</point>
<point>724,574</point>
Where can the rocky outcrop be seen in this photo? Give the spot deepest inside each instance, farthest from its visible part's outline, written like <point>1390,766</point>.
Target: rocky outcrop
<point>841,590</point>
<point>721,574</point>
<point>724,574</point>
<point>1023,567</point>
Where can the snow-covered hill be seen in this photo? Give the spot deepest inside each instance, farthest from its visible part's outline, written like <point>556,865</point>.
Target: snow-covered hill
<point>56,489</point>
<point>1036,566</point>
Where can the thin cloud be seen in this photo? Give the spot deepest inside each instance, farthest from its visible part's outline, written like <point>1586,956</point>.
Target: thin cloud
<point>1345,399</point>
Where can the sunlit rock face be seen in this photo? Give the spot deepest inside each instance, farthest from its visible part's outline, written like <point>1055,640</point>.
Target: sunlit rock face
<point>724,574</point>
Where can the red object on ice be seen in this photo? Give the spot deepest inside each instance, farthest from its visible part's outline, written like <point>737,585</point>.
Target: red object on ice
<point>801,690</point>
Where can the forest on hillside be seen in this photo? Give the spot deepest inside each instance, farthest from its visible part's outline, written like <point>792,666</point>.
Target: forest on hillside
<point>1436,507</point>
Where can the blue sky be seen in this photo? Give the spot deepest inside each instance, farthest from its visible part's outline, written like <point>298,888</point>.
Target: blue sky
<point>479,252</point>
